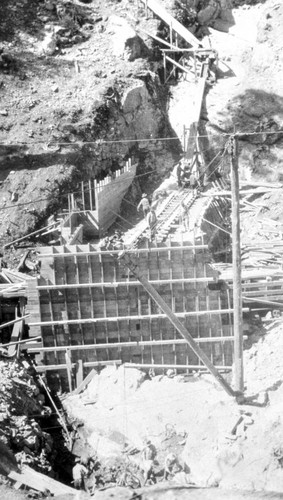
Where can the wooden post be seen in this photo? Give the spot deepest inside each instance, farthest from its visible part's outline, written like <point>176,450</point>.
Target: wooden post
<point>184,138</point>
<point>69,368</point>
<point>236,259</point>
<point>177,324</point>
<point>79,373</point>
<point>83,195</point>
<point>171,35</point>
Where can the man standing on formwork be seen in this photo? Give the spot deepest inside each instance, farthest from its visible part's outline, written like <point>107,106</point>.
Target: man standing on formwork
<point>184,219</point>
<point>144,204</point>
<point>151,220</point>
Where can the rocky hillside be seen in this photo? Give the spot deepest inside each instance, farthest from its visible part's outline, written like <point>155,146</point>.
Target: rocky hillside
<point>72,77</point>
<point>249,99</point>
<point>81,92</point>
<point>22,406</point>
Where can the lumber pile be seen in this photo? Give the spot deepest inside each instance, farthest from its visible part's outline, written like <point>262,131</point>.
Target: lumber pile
<point>40,482</point>
<point>12,283</point>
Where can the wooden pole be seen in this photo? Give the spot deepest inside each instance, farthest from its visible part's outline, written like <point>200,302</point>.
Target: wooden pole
<point>236,262</point>
<point>114,284</point>
<point>117,252</point>
<point>19,342</point>
<point>130,317</point>
<point>178,325</point>
<point>28,235</point>
<point>119,345</point>
<point>176,367</point>
<point>9,323</point>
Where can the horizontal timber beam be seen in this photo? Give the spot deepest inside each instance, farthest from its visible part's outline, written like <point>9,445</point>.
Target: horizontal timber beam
<point>117,252</point>
<point>129,318</point>
<point>121,283</point>
<point>118,345</point>
<point>9,323</point>
<point>189,367</point>
<point>262,301</point>
<point>86,364</point>
<point>175,63</point>
<point>243,192</point>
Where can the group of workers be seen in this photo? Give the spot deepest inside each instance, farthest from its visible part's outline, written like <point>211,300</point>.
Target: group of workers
<point>172,464</point>
<point>83,468</point>
<point>186,175</point>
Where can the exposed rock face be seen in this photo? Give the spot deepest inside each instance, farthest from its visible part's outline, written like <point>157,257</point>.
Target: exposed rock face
<point>251,100</point>
<point>19,432</point>
<point>134,115</point>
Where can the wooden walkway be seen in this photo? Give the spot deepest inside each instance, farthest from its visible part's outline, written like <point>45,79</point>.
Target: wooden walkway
<point>174,26</point>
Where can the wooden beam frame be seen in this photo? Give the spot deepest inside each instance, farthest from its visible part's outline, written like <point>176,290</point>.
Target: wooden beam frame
<point>86,364</point>
<point>115,345</point>
<point>125,318</point>
<point>114,284</point>
<point>117,252</point>
<point>175,367</point>
<point>173,318</point>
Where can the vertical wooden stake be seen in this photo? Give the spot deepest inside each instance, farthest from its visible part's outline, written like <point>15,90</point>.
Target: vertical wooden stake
<point>237,281</point>
<point>79,373</point>
<point>69,368</point>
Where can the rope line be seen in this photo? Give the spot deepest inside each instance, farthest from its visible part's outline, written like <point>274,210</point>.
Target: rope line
<point>122,141</point>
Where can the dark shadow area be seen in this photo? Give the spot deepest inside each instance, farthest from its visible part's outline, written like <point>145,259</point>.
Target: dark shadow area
<point>30,18</point>
<point>253,111</point>
<point>239,3</point>
<point>27,64</point>
<point>14,18</point>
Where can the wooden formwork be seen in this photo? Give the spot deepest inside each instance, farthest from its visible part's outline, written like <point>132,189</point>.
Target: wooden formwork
<point>91,307</point>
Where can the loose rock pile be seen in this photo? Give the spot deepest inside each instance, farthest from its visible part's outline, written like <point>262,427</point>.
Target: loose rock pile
<point>20,399</point>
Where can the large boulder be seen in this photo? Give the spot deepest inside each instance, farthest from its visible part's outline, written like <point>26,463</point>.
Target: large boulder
<point>7,460</point>
<point>126,43</point>
<point>209,13</point>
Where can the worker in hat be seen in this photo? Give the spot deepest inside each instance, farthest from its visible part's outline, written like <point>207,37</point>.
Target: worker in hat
<point>148,455</point>
<point>151,221</point>
<point>144,205</point>
<point>79,474</point>
<point>184,216</point>
<point>171,465</point>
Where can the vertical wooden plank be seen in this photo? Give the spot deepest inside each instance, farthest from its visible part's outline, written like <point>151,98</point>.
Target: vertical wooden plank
<point>83,195</point>
<point>51,307</point>
<point>95,194</point>
<point>69,368</point>
<point>90,194</point>
<point>195,286</point>
<point>91,290</point>
<point>65,280</point>
<point>79,373</point>
<point>172,294</point>
<point>207,303</point>
<point>80,327</point>
<point>221,332</point>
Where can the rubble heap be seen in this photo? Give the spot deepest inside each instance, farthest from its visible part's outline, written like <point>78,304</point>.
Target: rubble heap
<point>20,401</point>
